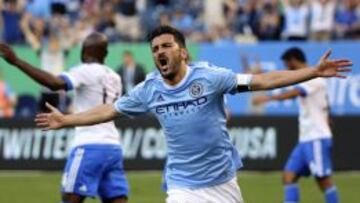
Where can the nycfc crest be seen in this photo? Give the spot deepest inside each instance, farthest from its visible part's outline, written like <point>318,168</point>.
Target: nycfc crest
<point>196,90</point>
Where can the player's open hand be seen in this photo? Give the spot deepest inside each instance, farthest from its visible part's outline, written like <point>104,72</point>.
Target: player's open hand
<point>259,99</point>
<point>50,121</point>
<point>7,53</point>
<point>332,68</point>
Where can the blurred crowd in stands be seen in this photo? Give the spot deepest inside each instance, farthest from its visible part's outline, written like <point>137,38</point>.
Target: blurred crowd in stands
<point>218,21</point>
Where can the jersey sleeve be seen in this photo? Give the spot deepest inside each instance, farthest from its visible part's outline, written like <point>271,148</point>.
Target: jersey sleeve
<point>229,82</point>
<point>308,88</point>
<point>133,103</point>
<point>76,77</point>
<point>225,80</point>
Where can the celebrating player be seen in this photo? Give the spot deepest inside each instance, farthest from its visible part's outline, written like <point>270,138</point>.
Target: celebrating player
<point>188,101</point>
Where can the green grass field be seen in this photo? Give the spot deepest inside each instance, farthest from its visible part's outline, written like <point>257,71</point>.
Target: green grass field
<point>36,187</point>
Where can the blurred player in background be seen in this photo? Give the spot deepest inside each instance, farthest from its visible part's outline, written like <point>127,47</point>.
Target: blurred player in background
<point>188,101</point>
<point>95,164</point>
<point>312,155</point>
<point>131,72</point>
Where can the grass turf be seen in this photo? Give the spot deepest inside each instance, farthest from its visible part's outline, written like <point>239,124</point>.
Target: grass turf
<point>36,187</point>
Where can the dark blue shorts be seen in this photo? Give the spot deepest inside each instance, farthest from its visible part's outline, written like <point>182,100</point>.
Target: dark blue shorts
<point>95,170</point>
<point>311,158</point>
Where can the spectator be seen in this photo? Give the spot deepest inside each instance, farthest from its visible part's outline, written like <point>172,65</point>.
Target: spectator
<point>108,23</point>
<point>11,11</point>
<point>213,13</point>
<point>348,20</point>
<point>131,20</point>
<point>221,35</point>
<point>164,18</point>
<point>269,24</point>
<point>231,9</point>
<point>182,21</point>
<point>39,9</point>
<point>157,3</point>
<point>52,56</point>
<point>83,27</point>
<point>245,21</point>
<point>128,19</point>
<point>131,72</point>
<point>73,7</point>
<point>322,19</point>
<point>88,17</point>
<point>296,13</point>
<point>7,100</point>
<point>60,24</point>
<point>193,7</point>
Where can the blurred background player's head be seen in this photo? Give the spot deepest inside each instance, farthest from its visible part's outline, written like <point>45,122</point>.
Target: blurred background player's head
<point>94,48</point>
<point>128,59</point>
<point>294,58</point>
<point>169,50</point>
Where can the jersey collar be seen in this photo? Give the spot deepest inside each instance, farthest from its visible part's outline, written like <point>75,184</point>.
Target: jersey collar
<point>169,87</point>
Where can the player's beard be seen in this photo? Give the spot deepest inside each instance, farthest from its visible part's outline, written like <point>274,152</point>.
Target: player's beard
<point>173,67</point>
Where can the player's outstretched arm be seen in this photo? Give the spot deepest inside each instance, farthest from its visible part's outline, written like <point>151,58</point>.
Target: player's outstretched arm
<point>40,76</point>
<point>325,68</point>
<point>55,119</point>
<point>290,94</point>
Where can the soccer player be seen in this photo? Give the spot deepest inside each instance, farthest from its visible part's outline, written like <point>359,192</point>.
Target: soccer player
<point>188,101</point>
<point>312,154</point>
<point>94,166</point>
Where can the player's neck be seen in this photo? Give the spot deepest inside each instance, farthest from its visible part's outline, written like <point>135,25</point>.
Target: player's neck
<point>93,60</point>
<point>178,77</point>
<point>303,65</point>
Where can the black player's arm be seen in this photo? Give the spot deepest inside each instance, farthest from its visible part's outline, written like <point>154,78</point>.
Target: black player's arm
<point>44,78</point>
<point>40,76</point>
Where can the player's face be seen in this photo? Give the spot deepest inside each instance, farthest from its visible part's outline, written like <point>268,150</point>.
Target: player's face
<point>290,64</point>
<point>167,55</point>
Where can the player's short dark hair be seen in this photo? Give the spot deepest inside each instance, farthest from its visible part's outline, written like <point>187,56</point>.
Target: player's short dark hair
<point>165,29</point>
<point>294,53</point>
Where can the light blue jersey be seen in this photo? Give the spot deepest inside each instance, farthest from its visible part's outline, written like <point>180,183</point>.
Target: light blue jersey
<point>192,115</point>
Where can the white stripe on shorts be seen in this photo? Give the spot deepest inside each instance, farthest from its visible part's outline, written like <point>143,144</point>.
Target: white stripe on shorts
<point>228,192</point>
<point>318,158</point>
<point>75,165</point>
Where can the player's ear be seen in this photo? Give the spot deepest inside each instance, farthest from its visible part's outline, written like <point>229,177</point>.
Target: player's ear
<point>184,53</point>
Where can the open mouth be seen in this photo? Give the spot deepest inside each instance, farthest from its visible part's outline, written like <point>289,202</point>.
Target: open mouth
<point>163,62</point>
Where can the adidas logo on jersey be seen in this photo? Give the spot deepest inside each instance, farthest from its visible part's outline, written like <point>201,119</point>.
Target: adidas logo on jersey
<point>160,98</point>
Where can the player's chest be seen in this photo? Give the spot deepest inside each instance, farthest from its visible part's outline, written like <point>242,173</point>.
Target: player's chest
<point>182,103</point>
